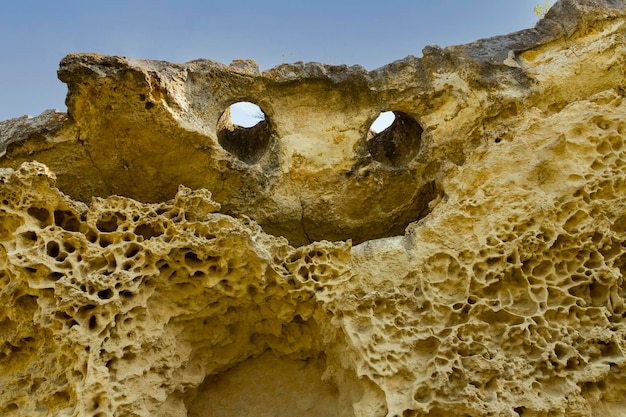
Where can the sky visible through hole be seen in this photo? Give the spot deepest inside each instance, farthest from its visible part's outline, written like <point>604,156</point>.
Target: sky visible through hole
<point>37,34</point>
<point>383,121</point>
<point>246,114</point>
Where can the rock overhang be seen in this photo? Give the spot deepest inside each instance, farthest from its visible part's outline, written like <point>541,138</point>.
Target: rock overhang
<point>141,128</point>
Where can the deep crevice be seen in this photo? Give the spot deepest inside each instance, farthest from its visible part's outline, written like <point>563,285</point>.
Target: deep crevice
<point>306,234</point>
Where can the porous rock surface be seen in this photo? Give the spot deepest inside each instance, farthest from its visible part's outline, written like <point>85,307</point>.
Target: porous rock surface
<point>157,260</point>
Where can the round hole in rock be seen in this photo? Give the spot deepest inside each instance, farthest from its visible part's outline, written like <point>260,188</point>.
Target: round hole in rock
<point>243,130</point>
<point>394,141</point>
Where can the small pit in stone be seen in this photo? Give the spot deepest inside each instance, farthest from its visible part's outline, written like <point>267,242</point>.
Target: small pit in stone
<point>394,138</point>
<point>243,130</point>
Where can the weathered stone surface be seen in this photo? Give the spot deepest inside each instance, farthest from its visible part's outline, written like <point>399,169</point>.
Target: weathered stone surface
<point>159,261</point>
<point>44,127</point>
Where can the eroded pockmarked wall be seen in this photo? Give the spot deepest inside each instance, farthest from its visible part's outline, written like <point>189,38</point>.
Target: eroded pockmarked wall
<point>508,300</point>
<point>156,261</point>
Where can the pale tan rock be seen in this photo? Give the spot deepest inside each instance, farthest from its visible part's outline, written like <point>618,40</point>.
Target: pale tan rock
<point>154,263</point>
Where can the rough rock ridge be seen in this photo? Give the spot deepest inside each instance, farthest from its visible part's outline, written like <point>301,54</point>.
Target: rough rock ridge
<point>156,260</point>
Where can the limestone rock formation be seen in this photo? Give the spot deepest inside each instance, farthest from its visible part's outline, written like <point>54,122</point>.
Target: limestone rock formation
<point>158,260</point>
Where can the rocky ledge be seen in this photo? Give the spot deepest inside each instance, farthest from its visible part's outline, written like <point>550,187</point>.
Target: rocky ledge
<point>157,259</point>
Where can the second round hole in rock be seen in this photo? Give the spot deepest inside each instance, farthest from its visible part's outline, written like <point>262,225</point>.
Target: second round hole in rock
<point>394,138</point>
<point>243,130</point>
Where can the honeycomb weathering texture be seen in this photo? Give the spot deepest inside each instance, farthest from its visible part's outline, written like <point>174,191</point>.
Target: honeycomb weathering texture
<point>142,302</point>
<point>150,267</point>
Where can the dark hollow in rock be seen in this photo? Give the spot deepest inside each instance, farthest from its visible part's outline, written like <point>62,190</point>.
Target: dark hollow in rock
<point>248,144</point>
<point>397,145</point>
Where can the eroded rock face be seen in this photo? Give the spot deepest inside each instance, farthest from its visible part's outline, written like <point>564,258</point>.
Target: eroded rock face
<point>157,260</point>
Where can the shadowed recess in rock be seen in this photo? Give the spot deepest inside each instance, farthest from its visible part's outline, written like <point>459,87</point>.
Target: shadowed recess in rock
<point>248,143</point>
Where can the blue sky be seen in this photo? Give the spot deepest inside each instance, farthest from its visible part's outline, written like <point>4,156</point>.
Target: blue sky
<point>35,35</point>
